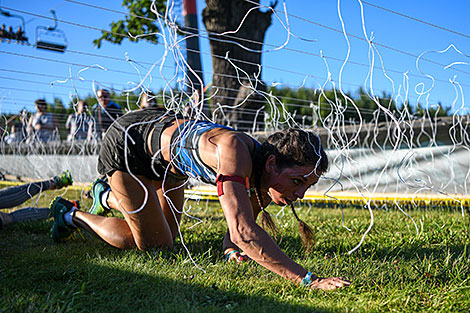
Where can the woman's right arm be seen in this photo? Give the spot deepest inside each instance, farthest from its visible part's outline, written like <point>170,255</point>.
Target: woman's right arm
<point>251,238</point>
<point>258,245</point>
<point>234,159</point>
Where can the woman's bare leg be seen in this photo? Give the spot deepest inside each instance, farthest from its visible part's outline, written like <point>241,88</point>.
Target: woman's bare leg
<point>153,226</point>
<point>112,230</point>
<point>148,226</point>
<point>176,196</point>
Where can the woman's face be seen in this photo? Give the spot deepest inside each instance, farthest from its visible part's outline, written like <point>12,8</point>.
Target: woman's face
<point>290,184</point>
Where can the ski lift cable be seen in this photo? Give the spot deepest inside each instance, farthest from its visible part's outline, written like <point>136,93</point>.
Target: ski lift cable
<point>122,35</point>
<point>8,14</point>
<point>109,69</point>
<point>54,8</point>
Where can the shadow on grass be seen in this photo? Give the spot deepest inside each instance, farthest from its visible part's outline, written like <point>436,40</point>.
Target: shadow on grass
<point>37,275</point>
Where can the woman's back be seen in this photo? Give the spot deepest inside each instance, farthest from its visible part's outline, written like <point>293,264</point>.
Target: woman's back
<point>200,147</point>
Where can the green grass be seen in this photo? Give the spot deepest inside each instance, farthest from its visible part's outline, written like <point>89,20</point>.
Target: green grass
<point>394,270</point>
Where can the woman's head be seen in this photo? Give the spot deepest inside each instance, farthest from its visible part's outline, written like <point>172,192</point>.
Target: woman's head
<point>294,147</point>
<point>288,163</point>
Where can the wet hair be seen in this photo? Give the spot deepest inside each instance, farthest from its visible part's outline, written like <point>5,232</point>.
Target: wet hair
<point>291,147</point>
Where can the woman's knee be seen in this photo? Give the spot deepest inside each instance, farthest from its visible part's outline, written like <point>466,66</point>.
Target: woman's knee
<point>143,245</point>
<point>128,244</point>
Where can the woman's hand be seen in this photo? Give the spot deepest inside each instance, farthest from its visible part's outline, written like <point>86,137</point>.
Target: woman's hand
<point>232,254</point>
<point>329,283</point>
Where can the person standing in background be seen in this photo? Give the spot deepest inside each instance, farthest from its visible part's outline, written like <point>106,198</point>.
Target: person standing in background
<point>80,123</point>
<point>105,112</point>
<point>43,125</point>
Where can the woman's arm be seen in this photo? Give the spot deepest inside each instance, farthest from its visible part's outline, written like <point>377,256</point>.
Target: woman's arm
<point>229,154</point>
<point>235,159</point>
<point>231,251</point>
<point>259,246</point>
<point>251,238</point>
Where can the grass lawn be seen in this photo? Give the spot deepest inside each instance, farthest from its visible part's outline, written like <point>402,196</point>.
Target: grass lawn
<point>394,270</point>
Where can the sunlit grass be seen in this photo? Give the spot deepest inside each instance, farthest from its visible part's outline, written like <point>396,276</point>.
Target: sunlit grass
<point>394,270</point>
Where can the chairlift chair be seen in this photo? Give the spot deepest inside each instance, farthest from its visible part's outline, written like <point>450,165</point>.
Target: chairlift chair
<point>50,38</point>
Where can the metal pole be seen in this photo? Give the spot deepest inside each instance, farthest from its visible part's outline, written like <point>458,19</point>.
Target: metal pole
<point>192,45</point>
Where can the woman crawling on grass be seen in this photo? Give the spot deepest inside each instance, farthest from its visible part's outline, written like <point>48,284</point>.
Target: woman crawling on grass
<point>147,155</point>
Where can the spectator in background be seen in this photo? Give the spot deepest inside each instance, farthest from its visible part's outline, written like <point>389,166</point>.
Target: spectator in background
<point>15,134</point>
<point>43,125</point>
<point>19,36</point>
<point>80,123</point>
<point>14,130</point>
<point>3,33</point>
<point>105,112</point>
<point>147,100</point>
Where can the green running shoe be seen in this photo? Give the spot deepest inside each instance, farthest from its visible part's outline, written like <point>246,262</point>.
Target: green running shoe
<point>63,180</point>
<point>60,231</point>
<point>99,186</point>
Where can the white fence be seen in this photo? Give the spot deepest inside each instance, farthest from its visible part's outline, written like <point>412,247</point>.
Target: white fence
<point>436,170</point>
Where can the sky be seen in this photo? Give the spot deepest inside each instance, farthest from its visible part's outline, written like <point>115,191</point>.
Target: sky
<point>412,61</point>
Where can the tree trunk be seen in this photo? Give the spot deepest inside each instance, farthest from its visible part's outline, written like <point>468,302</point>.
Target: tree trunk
<point>240,105</point>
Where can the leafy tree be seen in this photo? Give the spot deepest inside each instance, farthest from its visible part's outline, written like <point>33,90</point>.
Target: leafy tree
<point>244,50</point>
<point>319,105</point>
<point>219,16</point>
<point>141,20</point>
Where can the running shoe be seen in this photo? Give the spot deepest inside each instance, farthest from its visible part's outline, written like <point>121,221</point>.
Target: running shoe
<point>60,231</point>
<point>99,186</point>
<point>63,180</point>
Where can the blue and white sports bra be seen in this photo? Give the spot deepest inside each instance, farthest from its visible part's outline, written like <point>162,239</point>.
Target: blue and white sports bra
<point>185,150</point>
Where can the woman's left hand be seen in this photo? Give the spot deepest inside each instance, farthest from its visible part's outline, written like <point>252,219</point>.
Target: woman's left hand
<point>329,283</point>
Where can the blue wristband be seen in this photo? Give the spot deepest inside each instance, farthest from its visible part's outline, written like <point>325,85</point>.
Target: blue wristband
<point>227,256</point>
<point>307,280</point>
